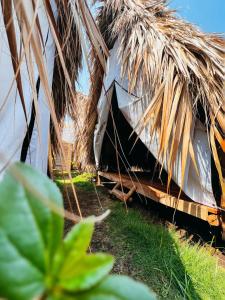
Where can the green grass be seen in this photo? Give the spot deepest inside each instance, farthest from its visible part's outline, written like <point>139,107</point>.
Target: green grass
<point>81,181</point>
<point>173,268</point>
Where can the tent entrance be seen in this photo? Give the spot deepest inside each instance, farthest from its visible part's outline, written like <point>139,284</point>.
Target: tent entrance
<point>123,151</point>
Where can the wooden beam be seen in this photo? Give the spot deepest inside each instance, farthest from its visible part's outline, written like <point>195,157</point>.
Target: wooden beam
<point>213,220</point>
<point>222,219</point>
<point>192,208</point>
<point>120,194</point>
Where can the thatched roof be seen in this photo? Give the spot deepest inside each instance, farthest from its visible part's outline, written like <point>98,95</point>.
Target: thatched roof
<point>180,67</point>
<point>77,132</point>
<point>83,141</point>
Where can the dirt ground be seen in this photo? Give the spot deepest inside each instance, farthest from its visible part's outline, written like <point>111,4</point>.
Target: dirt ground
<point>94,203</point>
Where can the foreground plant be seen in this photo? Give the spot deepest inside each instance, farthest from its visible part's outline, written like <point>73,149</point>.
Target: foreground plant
<point>35,261</point>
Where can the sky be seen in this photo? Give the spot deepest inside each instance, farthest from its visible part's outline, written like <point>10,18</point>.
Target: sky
<point>209,15</point>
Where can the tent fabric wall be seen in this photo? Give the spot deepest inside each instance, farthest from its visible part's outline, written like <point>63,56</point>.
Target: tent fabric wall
<point>13,125</point>
<point>197,187</point>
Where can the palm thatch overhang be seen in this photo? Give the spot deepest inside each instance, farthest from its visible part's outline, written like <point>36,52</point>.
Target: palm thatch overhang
<point>70,24</point>
<point>181,68</point>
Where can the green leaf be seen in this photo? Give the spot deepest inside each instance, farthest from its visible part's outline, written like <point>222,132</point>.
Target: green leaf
<point>85,272</point>
<point>29,233</point>
<point>79,238</point>
<point>118,288</point>
<point>74,246</point>
<point>114,288</point>
<point>76,270</point>
<point>49,223</point>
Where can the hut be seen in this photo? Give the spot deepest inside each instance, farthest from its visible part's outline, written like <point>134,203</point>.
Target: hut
<point>82,150</point>
<point>72,133</point>
<point>40,55</point>
<point>68,139</point>
<point>160,108</point>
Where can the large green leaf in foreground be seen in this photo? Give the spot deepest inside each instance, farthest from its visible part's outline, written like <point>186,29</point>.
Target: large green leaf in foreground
<point>34,259</point>
<point>29,233</point>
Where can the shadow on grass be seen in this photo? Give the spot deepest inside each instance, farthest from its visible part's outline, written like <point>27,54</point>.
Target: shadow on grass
<point>174,269</point>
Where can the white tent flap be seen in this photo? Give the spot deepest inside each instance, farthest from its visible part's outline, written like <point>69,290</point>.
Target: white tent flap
<point>13,126</point>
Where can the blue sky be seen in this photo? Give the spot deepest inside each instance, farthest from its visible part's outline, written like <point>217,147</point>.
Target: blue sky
<point>209,15</point>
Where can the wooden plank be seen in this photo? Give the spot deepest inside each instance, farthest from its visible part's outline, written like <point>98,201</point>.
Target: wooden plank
<point>222,219</point>
<point>213,220</point>
<point>115,187</point>
<point>120,194</point>
<point>191,208</point>
<point>131,191</point>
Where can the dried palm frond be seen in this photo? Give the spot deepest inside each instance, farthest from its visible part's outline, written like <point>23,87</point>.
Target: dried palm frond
<point>180,68</point>
<point>73,20</point>
<point>84,148</point>
<point>72,53</point>
<point>75,23</point>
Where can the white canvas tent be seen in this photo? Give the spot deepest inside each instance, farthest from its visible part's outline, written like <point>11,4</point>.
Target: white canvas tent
<point>161,108</point>
<point>133,106</point>
<point>13,125</point>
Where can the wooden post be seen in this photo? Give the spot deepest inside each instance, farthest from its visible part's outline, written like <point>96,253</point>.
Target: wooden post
<point>222,218</point>
<point>98,183</point>
<point>50,160</point>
